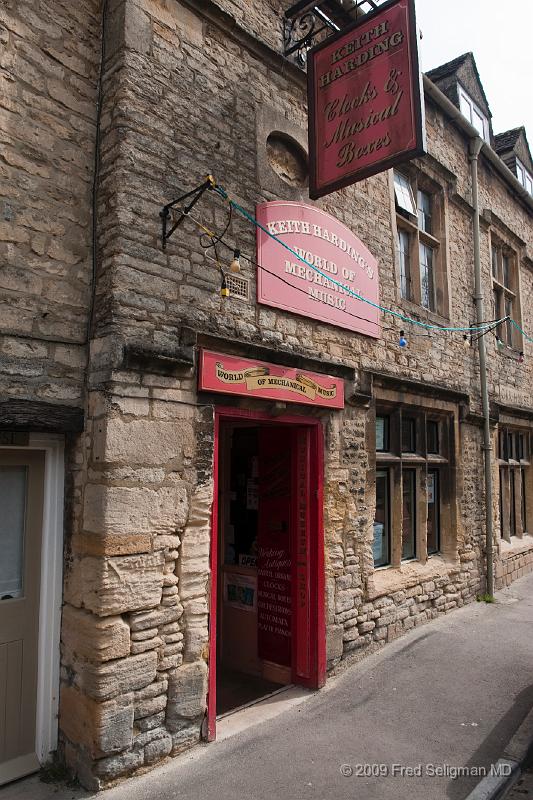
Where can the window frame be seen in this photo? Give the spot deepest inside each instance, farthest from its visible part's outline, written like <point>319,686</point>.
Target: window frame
<point>513,456</point>
<point>466,100</point>
<point>420,462</point>
<point>505,291</point>
<point>421,245</point>
<point>527,177</point>
<point>386,473</point>
<point>435,471</point>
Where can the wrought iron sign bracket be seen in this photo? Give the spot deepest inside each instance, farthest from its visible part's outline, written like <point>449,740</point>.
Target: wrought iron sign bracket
<point>305,21</point>
<point>166,215</point>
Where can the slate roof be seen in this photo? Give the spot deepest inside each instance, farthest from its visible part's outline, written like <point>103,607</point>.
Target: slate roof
<point>451,68</point>
<point>508,139</point>
<point>438,73</point>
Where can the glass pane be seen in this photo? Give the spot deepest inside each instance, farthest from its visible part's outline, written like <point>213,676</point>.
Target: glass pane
<point>433,492</point>
<point>503,477</point>
<point>478,122</point>
<point>404,193</point>
<point>495,263</point>
<point>381,545</point>
<point>506,271</point>
<point>12,519</point>
<point>512,502</point>
<point>382,434</point>
<point>408,435</point>
<point>409,519</point>
<point>405,266</point>
<point>465,106</point>
<point>502,445</point>
<point>524,504</point>
<point>508,324</point>
<point>427,283</point>
<point>433,436</point>
<point>498,301</point>
<point>424,211</point>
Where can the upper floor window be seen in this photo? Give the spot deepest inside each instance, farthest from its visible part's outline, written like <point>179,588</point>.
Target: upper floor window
<point>505,286</point>
<point>524,176</point>
<point>474,114</point>
<point>420,252</point>
<point>404,193</point>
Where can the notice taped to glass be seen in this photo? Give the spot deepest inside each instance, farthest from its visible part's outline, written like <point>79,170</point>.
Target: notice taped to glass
<point>365,101</point>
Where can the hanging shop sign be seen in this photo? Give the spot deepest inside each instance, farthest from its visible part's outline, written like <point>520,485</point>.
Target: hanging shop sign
<point>365,100</point>
<point>242,376</point>
<point>339,268</point>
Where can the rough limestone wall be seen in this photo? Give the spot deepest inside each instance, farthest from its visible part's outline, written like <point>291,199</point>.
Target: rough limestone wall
<point>512,566</point>
<point>134,632</point>
<point>49,58</point>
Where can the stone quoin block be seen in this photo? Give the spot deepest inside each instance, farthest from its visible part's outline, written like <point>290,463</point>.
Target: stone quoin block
<point>139,441</point>
<point>113,678</point>
<point>102,728</point>
<point>187,688</point>
<point>130,511</point>
<point>86,636</point>
<point>108,586</point>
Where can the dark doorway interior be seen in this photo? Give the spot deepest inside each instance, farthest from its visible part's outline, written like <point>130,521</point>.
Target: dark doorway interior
<point>254,576</point>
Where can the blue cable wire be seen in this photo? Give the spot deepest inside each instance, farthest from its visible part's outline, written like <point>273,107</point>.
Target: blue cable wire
<point>518,328</point>
<point>471,329</point>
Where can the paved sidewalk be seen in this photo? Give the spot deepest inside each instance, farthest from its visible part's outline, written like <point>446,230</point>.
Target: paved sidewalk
<point>448,695</point>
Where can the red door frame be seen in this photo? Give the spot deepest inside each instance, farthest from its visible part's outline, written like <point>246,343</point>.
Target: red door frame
<point>317,633</point>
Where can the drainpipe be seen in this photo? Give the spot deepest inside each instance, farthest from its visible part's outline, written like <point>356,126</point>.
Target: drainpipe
<point>475,146</point>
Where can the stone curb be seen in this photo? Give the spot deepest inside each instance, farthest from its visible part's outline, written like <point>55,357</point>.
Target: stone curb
<point>509,768</point>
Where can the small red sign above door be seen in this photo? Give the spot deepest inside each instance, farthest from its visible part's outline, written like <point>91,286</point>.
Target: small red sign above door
<point>250,378</point>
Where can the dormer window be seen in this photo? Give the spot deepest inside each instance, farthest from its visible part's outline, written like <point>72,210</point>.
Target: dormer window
<point>524,176</point>
<point>474,114</point>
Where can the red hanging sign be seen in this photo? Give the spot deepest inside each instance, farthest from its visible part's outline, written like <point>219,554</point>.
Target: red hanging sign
<point>365,102</point>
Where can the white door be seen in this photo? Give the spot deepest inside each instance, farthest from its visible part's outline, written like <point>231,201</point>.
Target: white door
<point>21,504</point>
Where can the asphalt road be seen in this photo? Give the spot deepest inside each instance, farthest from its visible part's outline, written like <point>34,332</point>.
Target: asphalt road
<point>449,694</point>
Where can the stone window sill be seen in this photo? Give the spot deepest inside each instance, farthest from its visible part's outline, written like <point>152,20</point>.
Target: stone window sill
<point>516,545</point>
<point>388,580</point>
<point>422,313</point>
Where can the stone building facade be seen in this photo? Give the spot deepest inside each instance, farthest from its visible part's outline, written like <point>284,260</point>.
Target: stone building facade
<point>109,113</point>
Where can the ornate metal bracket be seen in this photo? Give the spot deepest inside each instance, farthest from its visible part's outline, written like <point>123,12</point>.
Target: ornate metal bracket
<point>306,23</point>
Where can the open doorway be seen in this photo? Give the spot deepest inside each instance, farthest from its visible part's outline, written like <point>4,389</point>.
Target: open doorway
<point>267,541</point>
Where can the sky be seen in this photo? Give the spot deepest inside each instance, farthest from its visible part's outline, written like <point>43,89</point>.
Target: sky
<point>499,33</point>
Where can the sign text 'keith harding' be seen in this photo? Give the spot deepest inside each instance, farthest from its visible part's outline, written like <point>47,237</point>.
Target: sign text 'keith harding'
<point>349,48</point>
<point>299,269</point>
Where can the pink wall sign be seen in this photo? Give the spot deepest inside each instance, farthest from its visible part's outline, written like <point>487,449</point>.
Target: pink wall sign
<point>342,265</point>
<point>250,378</point>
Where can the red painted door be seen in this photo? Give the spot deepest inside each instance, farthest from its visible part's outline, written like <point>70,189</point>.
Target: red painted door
<point>302,578</point>
<point>274,563</point>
